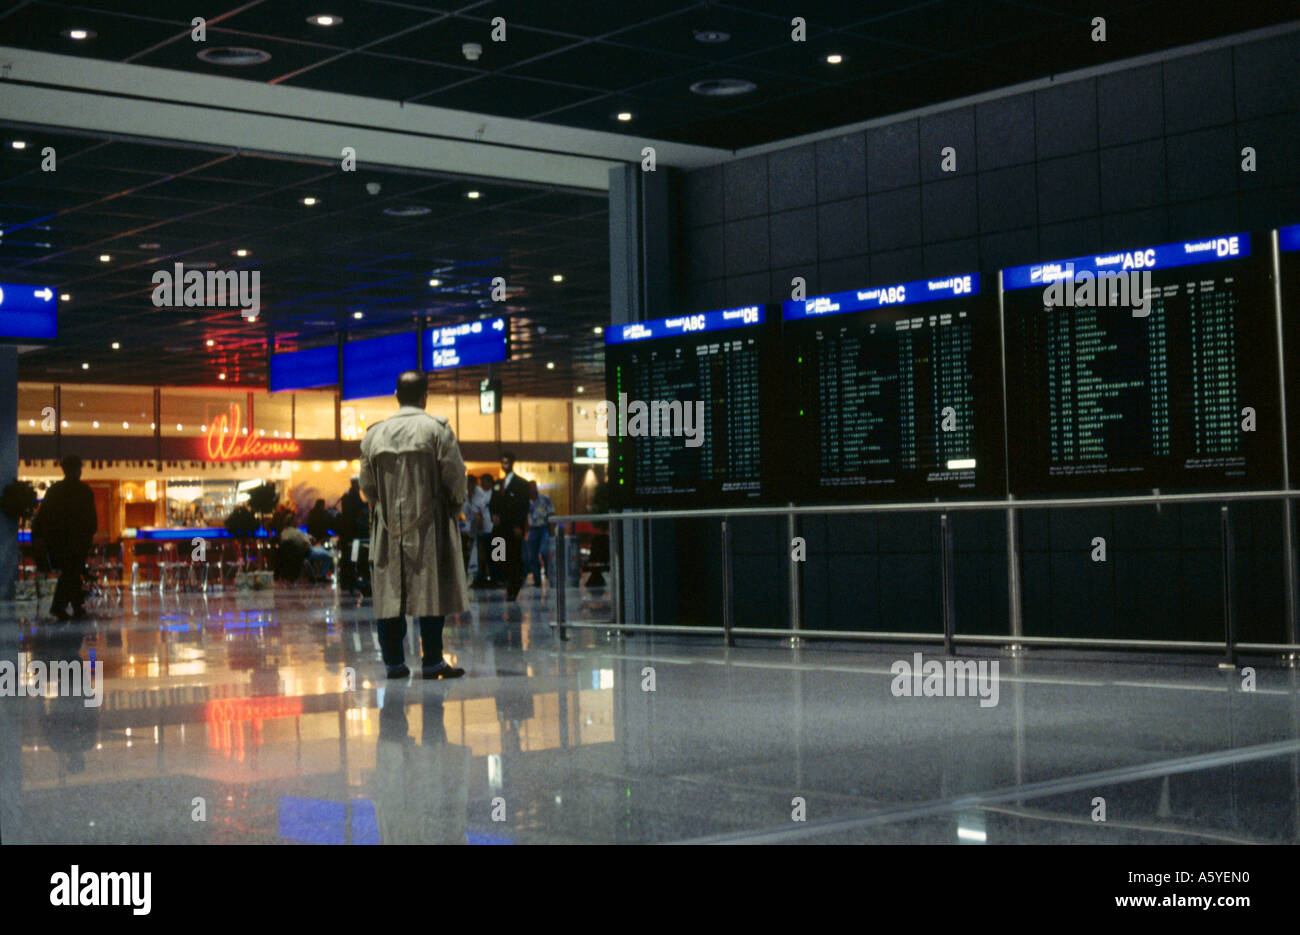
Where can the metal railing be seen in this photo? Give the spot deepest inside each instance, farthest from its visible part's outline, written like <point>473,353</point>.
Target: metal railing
<point>947,635</point>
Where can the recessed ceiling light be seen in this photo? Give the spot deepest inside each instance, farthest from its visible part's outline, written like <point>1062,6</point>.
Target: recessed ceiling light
<point>309,201</point>
<point>126,425</point>
<point>95,424</point>
<point>579,389</point>
<point>117,346</point>
<point>211,342</point>
<point>222,375</point>
<point>598,329</point>
<point>85,366</point>
<point>19,144</point>
<point>472,194</point>
<point>834,59</point>
<point>723,87</point>
<point>358,315</point>
<point>711,35</point>
<point>104,258</point>
<point>558,277</point>
<point>623,116</point>
<point>324,19</point>
<point>241,252</point>
<point>550,366</point>
<point>78,35</point>
<point>435,282</point>
<point>64,297</point>
<point>234,55</point>
<point>408,211</point>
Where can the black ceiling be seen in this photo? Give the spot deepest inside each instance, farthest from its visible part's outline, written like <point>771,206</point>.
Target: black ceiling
<point>319,266</point>
<point>579,62</point>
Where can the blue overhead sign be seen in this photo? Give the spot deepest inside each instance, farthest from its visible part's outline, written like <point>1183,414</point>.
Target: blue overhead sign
<point>29,312</point>
<point>1165,256</point>
<point>685,324</point>
<point>1288,238</point>
<point>371,367</point>
<point>474,342</point>
<point>305,370</point>
<point>903,293</point>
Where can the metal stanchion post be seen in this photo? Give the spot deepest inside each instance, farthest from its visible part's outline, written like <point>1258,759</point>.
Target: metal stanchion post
<point>945,577</point>
<point>726,585</point>
<point>796,580</point>
<point>1229,618</point>
<point>561,582</point>
<point>1013,583</point>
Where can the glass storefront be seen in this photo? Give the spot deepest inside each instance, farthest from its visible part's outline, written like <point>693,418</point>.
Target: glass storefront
<point>287,440</point>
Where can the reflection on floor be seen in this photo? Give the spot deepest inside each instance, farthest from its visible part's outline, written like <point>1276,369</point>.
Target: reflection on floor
<point>263,717</point>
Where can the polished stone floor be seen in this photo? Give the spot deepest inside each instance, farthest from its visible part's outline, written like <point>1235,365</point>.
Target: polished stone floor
<point>264,717</point>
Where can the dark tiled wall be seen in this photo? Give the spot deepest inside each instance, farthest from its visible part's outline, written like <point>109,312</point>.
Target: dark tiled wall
<point>1140,156</point>
<point>1147,155</point>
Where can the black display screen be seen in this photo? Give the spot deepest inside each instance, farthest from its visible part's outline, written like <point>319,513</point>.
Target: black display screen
<point>1143,379</point>
<point>895,392</point>
<point>687,401</point>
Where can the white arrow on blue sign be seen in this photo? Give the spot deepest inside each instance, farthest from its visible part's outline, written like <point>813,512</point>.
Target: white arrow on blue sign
<point>28,312</point>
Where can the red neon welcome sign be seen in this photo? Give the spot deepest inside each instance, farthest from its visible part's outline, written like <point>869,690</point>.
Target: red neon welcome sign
<point>225,443</point>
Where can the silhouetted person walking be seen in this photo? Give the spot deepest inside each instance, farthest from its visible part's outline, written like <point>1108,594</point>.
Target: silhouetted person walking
<point>414,477</point>
<point>509,508</point>
<point>66,523</point>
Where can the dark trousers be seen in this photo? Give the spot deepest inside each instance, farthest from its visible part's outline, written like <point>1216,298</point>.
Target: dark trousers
<point>514,562</point>
<point>347,569</point>
<point>487,569</point>
<point>69,590</point>
<point>392,634</point>
<point>466,548</point>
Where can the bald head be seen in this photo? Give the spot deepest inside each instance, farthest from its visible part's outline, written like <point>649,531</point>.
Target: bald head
<point>413,389</point>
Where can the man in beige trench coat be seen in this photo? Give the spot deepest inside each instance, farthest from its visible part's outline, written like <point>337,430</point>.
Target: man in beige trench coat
<point>413,475</point>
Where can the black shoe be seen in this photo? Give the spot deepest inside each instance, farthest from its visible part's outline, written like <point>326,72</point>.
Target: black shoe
<point>398,672</point>
<point>441,670</point>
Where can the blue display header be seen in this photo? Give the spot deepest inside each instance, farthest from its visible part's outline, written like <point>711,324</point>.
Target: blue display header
<point>29,312</point>
<point>464,345</point>
<point>685,324</point>
<point>903,293</point>
<point>305,370</point>
<point>371,367</point>
<point>1288,238</point>
<point>1165,256</point>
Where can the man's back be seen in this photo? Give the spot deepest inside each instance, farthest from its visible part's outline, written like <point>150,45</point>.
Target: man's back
<point>409,461</point>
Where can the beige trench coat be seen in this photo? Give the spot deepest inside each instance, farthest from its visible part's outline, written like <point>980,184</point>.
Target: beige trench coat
<point>413,475</point>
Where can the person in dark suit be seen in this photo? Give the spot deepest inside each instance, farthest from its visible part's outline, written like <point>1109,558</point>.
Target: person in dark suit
<point>509,507</point>
<point>66,524</point>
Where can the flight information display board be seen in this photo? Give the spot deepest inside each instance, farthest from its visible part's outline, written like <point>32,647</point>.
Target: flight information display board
<point>688,397</point>
<point>1288,242</point>
<point>1143,369</point>
<point>895,392</point>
